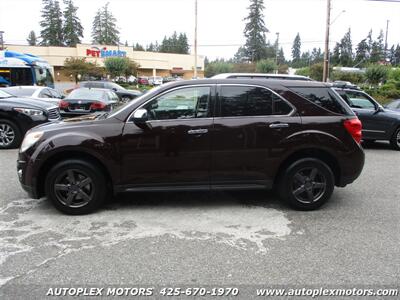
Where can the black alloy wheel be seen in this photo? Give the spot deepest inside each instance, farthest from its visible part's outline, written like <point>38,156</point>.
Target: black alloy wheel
<point>306,184</point>
<point>76,187</point>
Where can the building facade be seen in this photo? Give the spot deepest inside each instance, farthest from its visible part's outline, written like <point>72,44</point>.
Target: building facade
<point>151,63</point>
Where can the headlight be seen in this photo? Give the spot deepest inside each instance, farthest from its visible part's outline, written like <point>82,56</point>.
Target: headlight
<point>30,139</point>
<point>29,111</point>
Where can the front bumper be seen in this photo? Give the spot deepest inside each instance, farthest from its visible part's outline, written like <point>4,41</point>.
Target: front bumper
<point>27,181</point>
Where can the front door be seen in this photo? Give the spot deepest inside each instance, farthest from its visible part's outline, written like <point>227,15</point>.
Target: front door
<point>174,149</point>
<point>248,132</point>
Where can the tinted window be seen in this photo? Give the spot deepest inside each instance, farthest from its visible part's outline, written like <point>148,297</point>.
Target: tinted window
<point>87,94</point>
<point>251,101</point>
<point>21,92</point>
<point>393,105</point>
<point>359,100</point>
<point>324,97</point>
<point>184,103</point>
<point>45,94</point>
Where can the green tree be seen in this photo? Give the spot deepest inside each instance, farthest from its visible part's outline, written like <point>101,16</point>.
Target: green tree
<point>183,44</point>
<point>377,49</point>
<point>346,50</point>
<point>266,66</point>
<point>51,24</point>
<point>317,55</point>
<point>32,39</point>
<point>335,57</point>
<point>138,47</point>
<point>296,50</point>
<point>116,66</point>
<point>362,53</point>
<point>255,31</point>
<point>77,67</point>
<point>175,44</point>
<point>104,27</point>
<point>131,68</point>
<point>72,29</point>
<point>217,67</point>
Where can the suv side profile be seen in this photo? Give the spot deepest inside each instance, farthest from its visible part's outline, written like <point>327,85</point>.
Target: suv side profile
<point>296,136</point>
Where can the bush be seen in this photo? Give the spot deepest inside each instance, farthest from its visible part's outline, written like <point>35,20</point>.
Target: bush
<point>394,74</point>
<point>303,71</point>
<point>217,67</point>
<point>266,66</point>
<point>347,76</point>
<point>376,74</point>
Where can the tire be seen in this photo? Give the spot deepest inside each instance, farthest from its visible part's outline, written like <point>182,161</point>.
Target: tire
<point>10,135</point>
<point>82,194</point>
<point>395,140</point>
<point>306,184</point>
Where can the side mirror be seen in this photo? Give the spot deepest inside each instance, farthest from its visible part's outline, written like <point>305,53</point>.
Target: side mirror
<point>140,117</point>
<point>379,109</point>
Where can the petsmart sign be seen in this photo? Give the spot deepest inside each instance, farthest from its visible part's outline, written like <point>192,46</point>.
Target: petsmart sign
<point>104,53</point>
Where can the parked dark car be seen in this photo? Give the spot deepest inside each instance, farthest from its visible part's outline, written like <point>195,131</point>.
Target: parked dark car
<point>299,137</point>
<point>378,123</point>
<point>260,76</point>
<point>84,101</point>
<point>394,105</point>
<point>18,115</point>
<point>123,94</point>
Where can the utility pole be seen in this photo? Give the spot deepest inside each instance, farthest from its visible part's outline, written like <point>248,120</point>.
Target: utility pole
<point>386,38</point>
<point>326,54</point>
<point>277,52</point>
<point>1,40</point>
<point>195,39</point>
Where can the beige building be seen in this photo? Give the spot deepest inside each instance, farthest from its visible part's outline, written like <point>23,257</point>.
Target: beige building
<point>151,63</point>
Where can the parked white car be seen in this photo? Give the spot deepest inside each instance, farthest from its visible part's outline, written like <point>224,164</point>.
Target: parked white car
<point>37,92</point>
<point>155,80</point>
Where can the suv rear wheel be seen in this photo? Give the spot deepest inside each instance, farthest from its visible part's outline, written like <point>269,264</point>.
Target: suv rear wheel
<point>306,184</point>
<point>395,140</point>
<point>76,187</point>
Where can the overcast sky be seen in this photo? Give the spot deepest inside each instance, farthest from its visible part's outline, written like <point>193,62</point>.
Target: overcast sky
<point>220,21</point>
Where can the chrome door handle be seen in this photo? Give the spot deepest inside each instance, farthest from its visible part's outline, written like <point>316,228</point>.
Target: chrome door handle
<point>197,131</point>
<point>278,125</point>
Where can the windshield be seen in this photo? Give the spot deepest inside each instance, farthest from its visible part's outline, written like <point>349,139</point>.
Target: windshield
<point>43,77</point>
<point>21,92</point>
<point>3,94</point>
<point>87,94</point>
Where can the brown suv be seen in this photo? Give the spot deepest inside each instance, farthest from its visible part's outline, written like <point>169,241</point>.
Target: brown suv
<point>297,136</point>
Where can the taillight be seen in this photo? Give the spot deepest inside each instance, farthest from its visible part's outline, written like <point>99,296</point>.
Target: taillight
<point>354,126</point>
<point>63,104</point>
<point>97,106</point>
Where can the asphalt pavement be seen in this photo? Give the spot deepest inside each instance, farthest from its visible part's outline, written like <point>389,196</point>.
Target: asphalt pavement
<point>235,239</point>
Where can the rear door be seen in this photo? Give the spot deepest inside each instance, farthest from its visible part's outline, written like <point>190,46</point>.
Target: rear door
<point>248,136</point>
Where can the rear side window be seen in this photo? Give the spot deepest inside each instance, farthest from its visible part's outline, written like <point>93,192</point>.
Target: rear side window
<point>323,97</point>
<point>251,101</point>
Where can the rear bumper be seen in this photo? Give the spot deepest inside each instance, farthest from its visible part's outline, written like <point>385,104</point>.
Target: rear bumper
<point>351,166</point>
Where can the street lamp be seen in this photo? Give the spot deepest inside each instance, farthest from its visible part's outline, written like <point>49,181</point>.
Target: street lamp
<point>326,54</point>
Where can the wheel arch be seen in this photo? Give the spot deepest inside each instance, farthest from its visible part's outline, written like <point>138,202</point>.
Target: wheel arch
<point>66,155</point>
<point>317,153</point>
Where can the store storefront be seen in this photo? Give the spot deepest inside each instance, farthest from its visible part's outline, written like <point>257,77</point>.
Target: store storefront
<point>151,63</point>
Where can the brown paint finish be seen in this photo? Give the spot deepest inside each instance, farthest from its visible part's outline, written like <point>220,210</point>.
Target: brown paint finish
<point>196,153</point>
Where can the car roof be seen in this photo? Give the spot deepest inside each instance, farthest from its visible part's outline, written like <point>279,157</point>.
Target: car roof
<point>93,89</point>
<point>279,76</point>
<point>22,87</point>
<point>261,82</point>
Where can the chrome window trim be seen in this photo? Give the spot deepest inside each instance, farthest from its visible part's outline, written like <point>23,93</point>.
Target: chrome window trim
<point>291,113</point>
<point>171,90</point>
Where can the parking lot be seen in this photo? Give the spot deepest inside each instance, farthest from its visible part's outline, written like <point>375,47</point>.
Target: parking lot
<point>196,239</point>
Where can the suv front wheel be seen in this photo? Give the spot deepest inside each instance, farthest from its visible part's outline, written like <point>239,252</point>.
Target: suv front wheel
<point>76,187</point>
<point>306,184</point>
